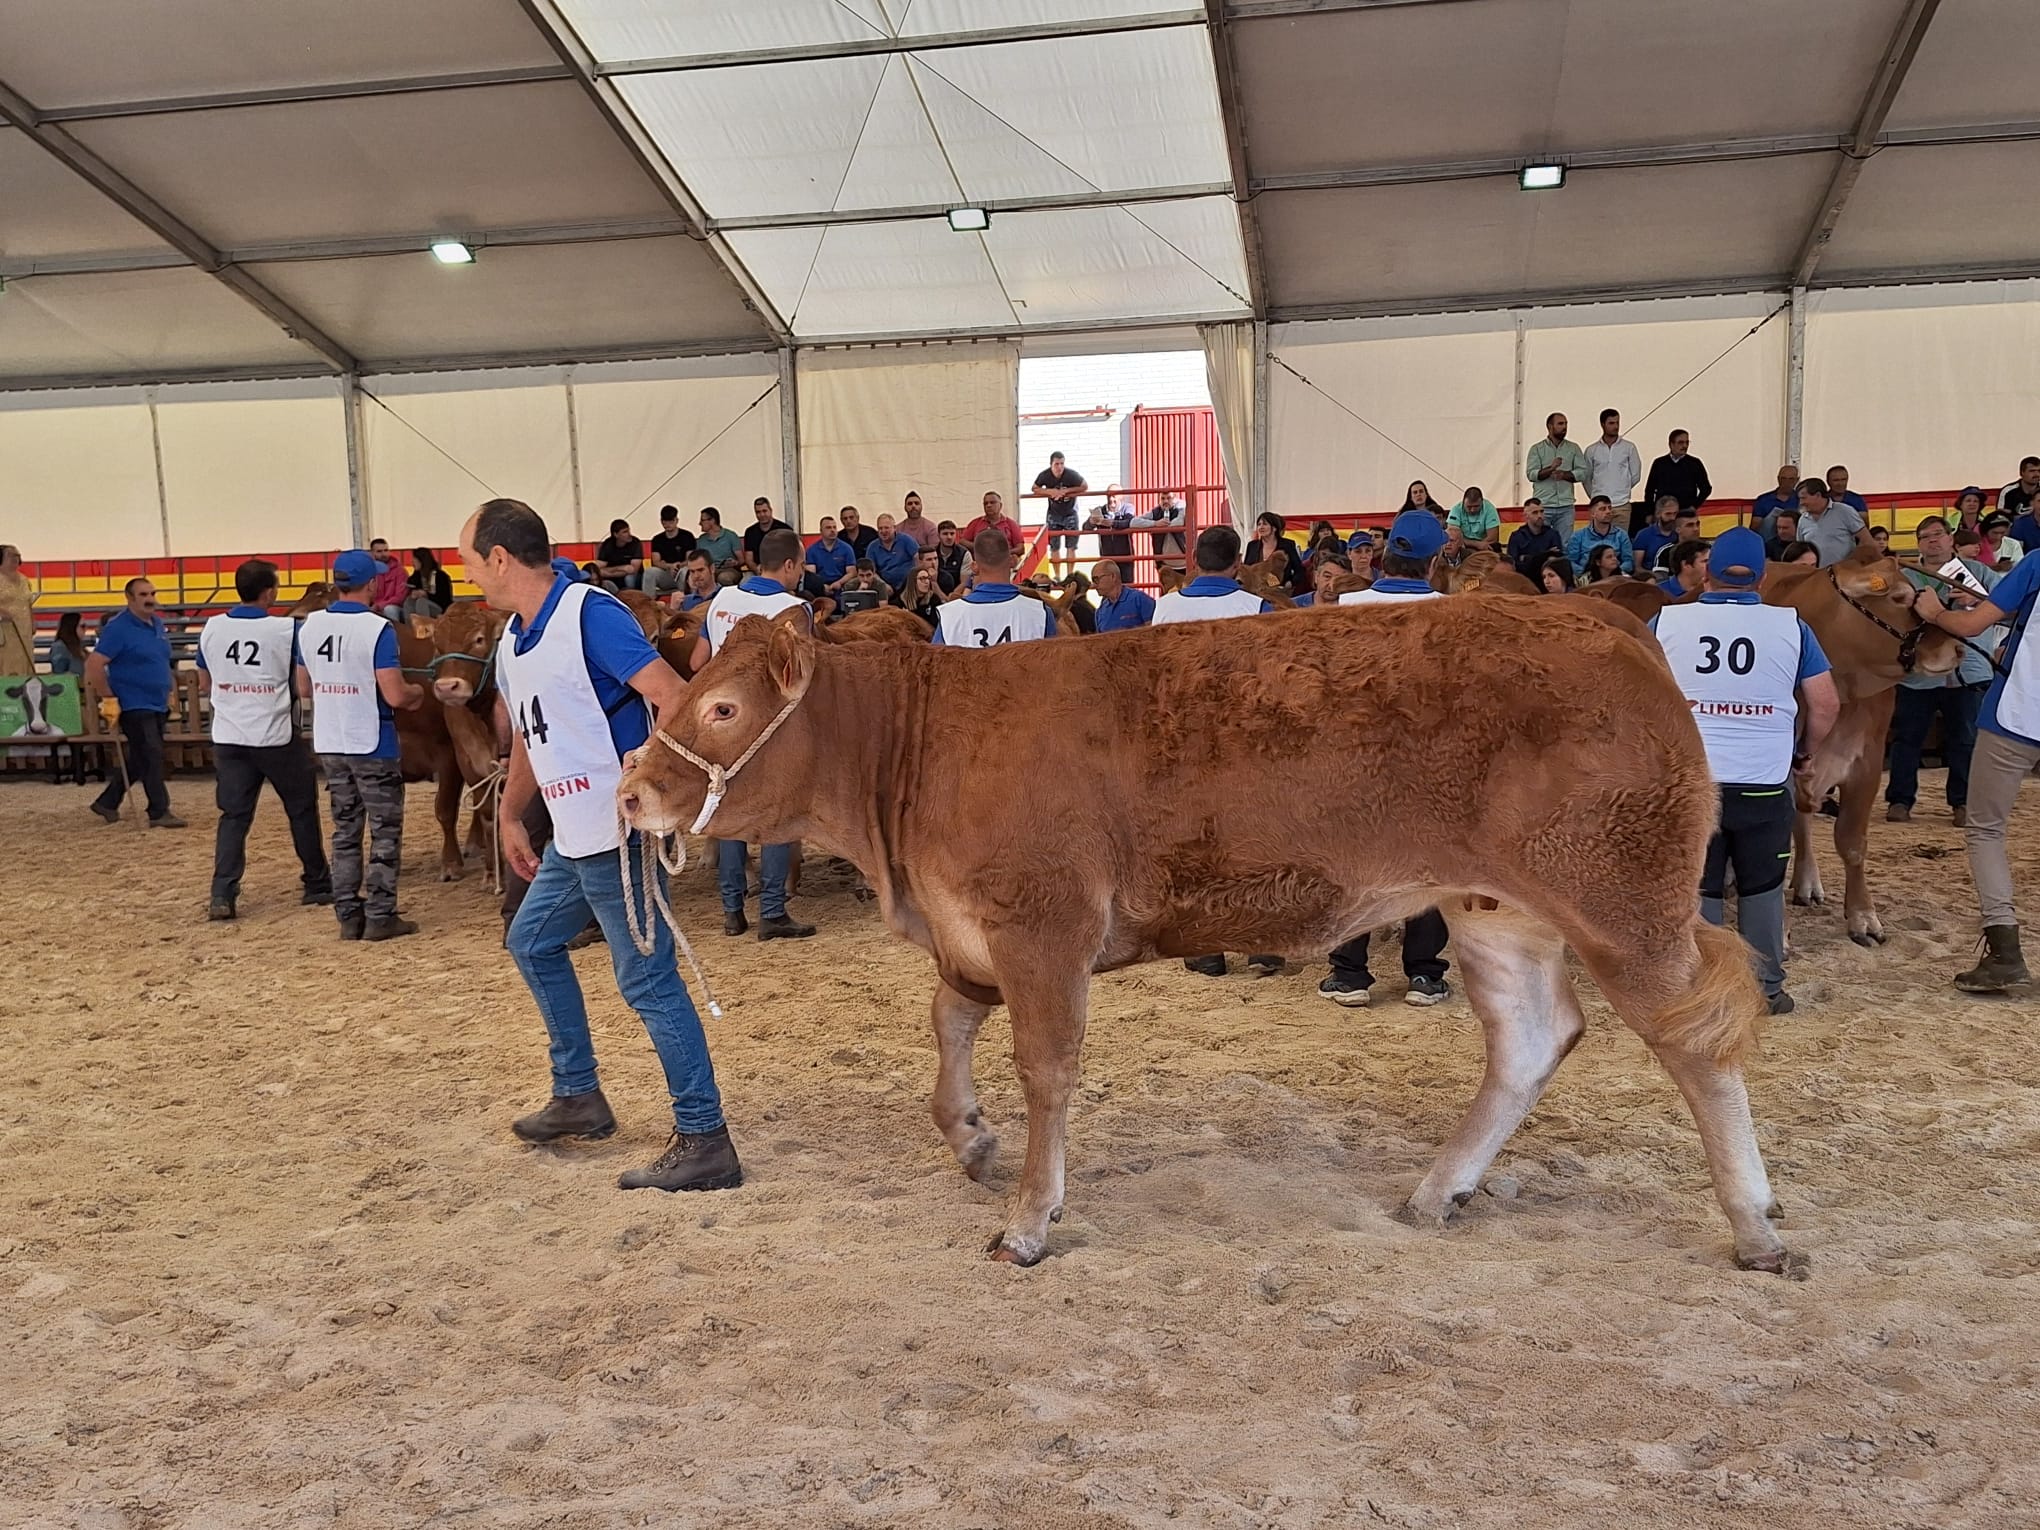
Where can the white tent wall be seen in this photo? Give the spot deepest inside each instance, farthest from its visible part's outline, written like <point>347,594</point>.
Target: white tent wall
<point>1915,390</point>
<point>435,447</point>
<point>78,478</point>
<point>943,419</point>
<point>710,439</point>
<point>254,475</point>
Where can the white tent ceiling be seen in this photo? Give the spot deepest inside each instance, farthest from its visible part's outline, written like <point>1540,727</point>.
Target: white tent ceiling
<point>226,187</point>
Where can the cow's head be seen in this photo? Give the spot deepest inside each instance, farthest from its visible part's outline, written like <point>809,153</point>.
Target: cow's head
<point>462,642</point>
<point>755,682</point>
<point>1876,586</point>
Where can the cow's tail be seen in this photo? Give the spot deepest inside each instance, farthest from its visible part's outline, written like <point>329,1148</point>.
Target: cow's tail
<point>1719,1015</point>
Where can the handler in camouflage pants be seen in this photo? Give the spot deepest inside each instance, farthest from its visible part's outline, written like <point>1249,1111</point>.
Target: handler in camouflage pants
<point>364,787</point>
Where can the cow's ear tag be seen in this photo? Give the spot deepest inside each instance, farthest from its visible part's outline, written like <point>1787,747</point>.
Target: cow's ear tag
<point>1879,583</point>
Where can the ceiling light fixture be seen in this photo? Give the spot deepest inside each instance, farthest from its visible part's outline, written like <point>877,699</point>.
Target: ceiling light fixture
<point>1540,177</point>
<point>969,220</point>
<point>452,252</point>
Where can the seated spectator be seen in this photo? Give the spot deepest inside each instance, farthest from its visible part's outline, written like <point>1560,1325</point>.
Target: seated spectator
<point>1325,572</point>
<point>666,568</point>
<point>1969,509</point>
<point>700,586</point>
<point>1838,489</point>
<point>1111,520</point>
<point>829,558</point>
<point>1120,605</point>
<point>995,519</point>
<point>1477,520</point>
<point>1881,535</point>
<point>1457,548</point>
<point>2000,550</point>
<point>1533,542</point>
<point>1660,532</point>
<point>862,589</point>
<point>729,572</point>
<point>1786,522</point>
<point>1603,564</point>
<point>763,524</point>
<point>1418,497</point>
<point>914,524</point>
<point>892,553</point>
<point>720,545</point>
<point>1689,568</point>
<point>856,533</point>
<point>1764,511</point>
<point>67,649</point>
<point>1800,553</point>
<point>1555,577</point>
<point>390,587</point>
<point>921,594</point>
<point>1270,541</point>
<point>619,558</point>
<point>428,592</point>
<point>1600,531</point>
<point>952,561</point>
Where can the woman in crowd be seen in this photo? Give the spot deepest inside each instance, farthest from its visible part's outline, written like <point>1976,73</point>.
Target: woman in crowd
<point>1800,552</point>
<point>1556,576</point>
<point>1603,564</point>
<point>1418,497</point>
<point>1969,511</point>
<point>17,615</point>
<point>1269,542</point>
<point>430,591</point>
<point>67,652</point>
<point>922,595</point>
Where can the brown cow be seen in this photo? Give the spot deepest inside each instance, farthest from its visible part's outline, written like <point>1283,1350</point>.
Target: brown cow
<point>1586,812</point>
<point>1484,571</point>
<point>886,624</point>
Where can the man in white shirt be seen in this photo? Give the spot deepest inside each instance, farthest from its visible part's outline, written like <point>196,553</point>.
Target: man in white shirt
<point>247,656</point>
<point>765,593</point>
<point>1615,469</point>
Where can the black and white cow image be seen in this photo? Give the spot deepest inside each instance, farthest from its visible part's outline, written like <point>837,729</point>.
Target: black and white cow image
<point>34,695</point>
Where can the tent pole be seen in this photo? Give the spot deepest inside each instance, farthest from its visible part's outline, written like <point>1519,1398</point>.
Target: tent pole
<point>162,495</point>
<point>789,439</point>
<point>1257,475</point>
<point>1522,320</point>
<point>574,457</point>
<point>357,504</point>
<point>1795,376</point>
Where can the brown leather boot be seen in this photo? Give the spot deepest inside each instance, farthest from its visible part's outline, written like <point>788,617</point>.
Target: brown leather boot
<point>2003,965</point>
<point>586,1116</point>
<point>704,1162</point>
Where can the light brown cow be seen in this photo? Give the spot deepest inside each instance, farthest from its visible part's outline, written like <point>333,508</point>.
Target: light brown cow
<point>1483,571</point>
<point>1585,810</point>
<point>885,624</point>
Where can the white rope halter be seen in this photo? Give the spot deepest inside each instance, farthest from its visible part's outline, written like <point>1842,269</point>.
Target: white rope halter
<point>485,797</point>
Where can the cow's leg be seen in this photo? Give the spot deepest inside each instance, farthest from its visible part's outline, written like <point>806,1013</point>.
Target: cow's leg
<point>1048,1011</point>
<point>1806,886</point>
<point>1720,1103</point>
<point>446,808</point>
<point>954,1103</point>
<point>1514,971</point>
<point>1852,841</point>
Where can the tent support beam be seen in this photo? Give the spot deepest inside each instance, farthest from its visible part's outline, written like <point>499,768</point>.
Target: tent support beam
<point>1008,205</point>
<point>1234,120</point>
<point>1884,88</point>
<point>168,227</point>
<point>789,438</point>
<point>1795,376</point>
<point>357,498</point>
<point>353,90</point>
<point>928,42</point>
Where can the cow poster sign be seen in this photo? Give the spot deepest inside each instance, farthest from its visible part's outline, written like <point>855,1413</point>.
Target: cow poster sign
<point>39,706</point>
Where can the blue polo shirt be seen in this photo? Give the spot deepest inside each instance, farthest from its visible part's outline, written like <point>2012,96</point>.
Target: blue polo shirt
<point>991,594</point>
<point>1769,504</point>
<point>137,655</point>
<point>1813,659</point>
<point>615,648</point>
<point>2014,595</point>
<point>1650,542</point>
<point>896,563</point>
<point>250,613</point>
<point>1205,585</point>
<point>1133,608</point>
<point>690,600</point>
<point>831,563</point>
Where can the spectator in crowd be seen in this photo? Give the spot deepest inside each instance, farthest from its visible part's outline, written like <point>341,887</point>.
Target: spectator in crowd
<point>1555,576</point>
<point>2007,750</point>
<point>1603,564</point>
<point>914,525</point>
<point>1688,573</point>
<point>1324,538</point>
<point>1599,531</point>
<point>619,559</point>
<point>1838,488</point>
<point>1325,573</point>
<point>921,594</point>
<point>1120,605</point>
<point>1803,553</point>
<point>1661,532</point>
<point>952,561</point>
<point>1111,520</point>
<point>1881,535</point>
<point>131,664</point>
<point>995,611</point>
<point>1748,714</point>
<point>701,586</point>
<point>568,569</point>
<point>67,649</point>
<point>830,558</point>
<point>863,590</point>
<point>248,658</point>
<point>348,664</point>
<point>391,587</point>
<point>1166,547</point>
<point>1555,468</point>
<point>1614,468</point>
<point>17,615</point>
<point>2020,499</point>
<point>1477,520</point>
<point>995,519</point>
<point>763,524</point>
<point>1996,531</point>
<point>1784,530</point>
<point>1418,497</point>
<point>766,592</point>
<point>1361,550</point>
<point>1968,546</point>
<point>1531,543</point>
<point>429,589</point>
<point>666,568</point>
<point>1059,485</point>
<point>856,533</point>
<point>1685,528</point>
<point>1833,528</point>
<point>1678,474</point>
<point>721,546</point>
<point>1954,698</point>
<point>1767,504</point>
<point>1270,542</point>
<point>1457,548</point>
<point>892,553</point>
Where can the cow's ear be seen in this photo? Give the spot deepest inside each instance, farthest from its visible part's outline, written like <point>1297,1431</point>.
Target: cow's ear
<point>790,653</point>
<point>421,626</point>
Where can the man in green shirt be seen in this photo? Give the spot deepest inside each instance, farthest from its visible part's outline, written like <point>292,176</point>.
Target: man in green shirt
<point>1477,520</point>
<point>1555,468</point>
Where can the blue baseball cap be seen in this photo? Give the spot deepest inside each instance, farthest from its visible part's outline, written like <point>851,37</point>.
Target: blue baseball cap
<point>1737,558</point>
<point>568,569</point>
<point>354,569</point>
<point>1360,538</point>
<point>1416,534</point>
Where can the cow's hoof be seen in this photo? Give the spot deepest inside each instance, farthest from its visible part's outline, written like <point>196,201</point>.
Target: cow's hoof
<point>977,1154</point>
<point>1776,1261</point>
<point>1009,1248</point>
<point>451,873</point>
<point>862,893</point>
<point>1811,899</point>
<point>1422,1210</point>
<point>1775,1211</point>
<point>1866,930</point>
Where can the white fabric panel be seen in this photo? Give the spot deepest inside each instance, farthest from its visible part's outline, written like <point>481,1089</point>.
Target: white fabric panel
<point>1154,258</point>
<point>875,278</point>
<point>1916,394</point>
<point>1735,413</point>
<point>135,322</point>
<point>634,435</point>
<point>250,476</point>
<point>78,482</point>
<point>1441,408</point>
<point>1229,369</point>
<point>873,424</point>
<point>508,442</point>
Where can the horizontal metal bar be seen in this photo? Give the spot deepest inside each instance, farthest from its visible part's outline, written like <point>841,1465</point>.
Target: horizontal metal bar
<point>23,266</point>
<point>586,356</point>
<point>995,205</point>
<point>930,42</point>
<point>1585,159</point>
<point>52,381</point>
<point>348,90</point>
<point>1251,10</point>
<point>1022,331</point>
<point>1482,302</point>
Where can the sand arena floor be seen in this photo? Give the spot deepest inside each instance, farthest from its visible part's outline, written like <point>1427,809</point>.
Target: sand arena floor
<point>270,1257</point>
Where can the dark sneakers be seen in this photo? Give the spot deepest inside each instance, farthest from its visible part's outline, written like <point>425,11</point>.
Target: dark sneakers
<point>734,922</point>
<point>1340,991</point>
<point>317,897</point>
<point>1780,1003</point>
<point>220,910</point>
<point>1426,991</point>
<point>690,1162</point>
<point>571,1115</point>
<point>781,928</point>
<point>388,929</point>
<point>111,815</point>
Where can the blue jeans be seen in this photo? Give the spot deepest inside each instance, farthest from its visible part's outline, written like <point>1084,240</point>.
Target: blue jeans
<point>732,877</point>
<point>556,908</point>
